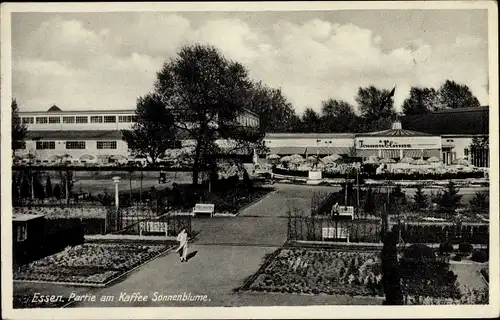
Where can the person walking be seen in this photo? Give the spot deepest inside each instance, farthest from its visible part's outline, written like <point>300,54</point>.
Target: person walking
<point>182,237</point>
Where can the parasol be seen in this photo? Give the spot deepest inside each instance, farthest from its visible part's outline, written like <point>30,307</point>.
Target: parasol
<point>433,160</point>
<point>420,162</point>
<point>406,160</point>
<point>387,160</point>
<point>87,157</point>
<point>273,157</point>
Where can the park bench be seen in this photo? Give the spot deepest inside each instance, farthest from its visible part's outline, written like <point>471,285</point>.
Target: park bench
<point>335,233</point>
<point>204,208</point>
<point>343,212</point>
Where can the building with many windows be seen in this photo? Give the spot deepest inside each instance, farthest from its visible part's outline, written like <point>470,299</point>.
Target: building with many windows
<point>445,134</point>
<point>90,134</point>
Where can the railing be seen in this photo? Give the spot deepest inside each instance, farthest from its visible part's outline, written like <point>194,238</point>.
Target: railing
<point>308,228</point>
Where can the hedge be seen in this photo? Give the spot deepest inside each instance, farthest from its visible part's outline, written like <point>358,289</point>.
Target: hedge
<point>387,176</point>
<point>414,233</point>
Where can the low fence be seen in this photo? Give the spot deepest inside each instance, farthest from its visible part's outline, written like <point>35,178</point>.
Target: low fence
<point>428,233</point>
<point>310,228</point>
<point>307,228</point>
<point>145,221</point>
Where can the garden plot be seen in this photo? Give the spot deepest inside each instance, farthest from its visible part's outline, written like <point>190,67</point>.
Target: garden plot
<point>297,270</point>
<point>90,264</point>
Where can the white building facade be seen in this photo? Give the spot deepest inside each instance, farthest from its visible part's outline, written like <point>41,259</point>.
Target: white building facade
<point>86,134</point>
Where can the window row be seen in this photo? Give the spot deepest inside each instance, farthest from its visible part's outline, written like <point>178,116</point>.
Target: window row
<point>72,145</point>
<point>78,119</point>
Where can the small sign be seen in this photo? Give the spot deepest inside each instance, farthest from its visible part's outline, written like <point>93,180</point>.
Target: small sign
<point>153,226</point>
<point>335,233</point>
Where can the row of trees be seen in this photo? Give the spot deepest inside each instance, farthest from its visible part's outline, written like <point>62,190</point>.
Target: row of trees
<point>23,188</point>
<point>376,108</point>
<point>198,95</point>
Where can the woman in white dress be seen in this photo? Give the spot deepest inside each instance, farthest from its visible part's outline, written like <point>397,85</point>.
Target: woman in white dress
<point>183,245</point>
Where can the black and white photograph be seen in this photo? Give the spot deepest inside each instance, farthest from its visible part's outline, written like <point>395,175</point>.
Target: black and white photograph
<point>249,155</point>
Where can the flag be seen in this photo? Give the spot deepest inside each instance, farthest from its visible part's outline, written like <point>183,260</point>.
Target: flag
<point>388,98</point>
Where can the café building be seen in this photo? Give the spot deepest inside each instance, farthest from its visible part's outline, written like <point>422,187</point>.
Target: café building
<point>397,143</point>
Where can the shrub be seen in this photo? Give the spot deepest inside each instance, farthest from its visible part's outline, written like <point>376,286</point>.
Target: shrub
<point>48,187</point>
<point>57,191</point>
<point>420,199</point>
<point>450,199</point>
<point>480,256</point>
<point>465,248</point>
<point>479,203</point>
<point>419,252</point>
<point>445,248</point>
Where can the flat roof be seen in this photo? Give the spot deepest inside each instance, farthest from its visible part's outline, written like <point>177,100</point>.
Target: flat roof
<point>26,217</point>
<point>78,112</point>
<point>310,135</point>
<point>73,134</point>
<point>462,121</point>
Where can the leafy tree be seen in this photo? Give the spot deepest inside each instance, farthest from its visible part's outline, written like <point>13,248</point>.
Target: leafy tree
<point>420,101</point>
<point>207,92</point>
<point>57,191</point>
<point>15,192</point>
<point>153,132</point>
<point>338,116</point>
<point>479,203</point>
<point>275,112</point>
<point>424,275</point>
<point>450,198</point>
<point>38,188</point>
<point>310,121</point>
<point>453,95</point>
<point>369,201</point>
<point>25,187</point>
<point>375,105</point>
<point>398,196</point>
<point>420,199</point>
<point>18,130</point>
<point>48,187</point>
<point>480,150</point>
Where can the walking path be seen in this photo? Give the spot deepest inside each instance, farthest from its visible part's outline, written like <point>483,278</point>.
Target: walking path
<point>225,253</point>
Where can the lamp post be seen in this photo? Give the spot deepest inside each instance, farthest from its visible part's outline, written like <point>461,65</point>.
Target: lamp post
<point>116,181</point>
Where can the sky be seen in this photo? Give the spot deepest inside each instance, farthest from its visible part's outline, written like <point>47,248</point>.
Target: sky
<point>81,61</point>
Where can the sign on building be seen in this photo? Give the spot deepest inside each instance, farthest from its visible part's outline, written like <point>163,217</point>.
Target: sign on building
<point>398,143</point>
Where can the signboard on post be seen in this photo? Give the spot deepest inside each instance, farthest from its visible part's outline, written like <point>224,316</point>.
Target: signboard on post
<point>153,227</point>
<point>335,233</point>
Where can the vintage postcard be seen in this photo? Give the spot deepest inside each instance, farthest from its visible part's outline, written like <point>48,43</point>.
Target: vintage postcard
<point>249,160</point>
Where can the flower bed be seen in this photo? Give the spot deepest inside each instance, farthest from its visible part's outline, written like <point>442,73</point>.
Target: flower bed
<point>55,212</point>
<point>300,270</point>
<point>89,263</point>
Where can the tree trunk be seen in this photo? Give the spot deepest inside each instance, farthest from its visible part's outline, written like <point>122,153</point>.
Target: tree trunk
<point>130,185</point>
<point>67,187</point>
<point>196,163</point>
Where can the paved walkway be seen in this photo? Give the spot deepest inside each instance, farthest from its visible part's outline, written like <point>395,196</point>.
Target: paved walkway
<point>214,271</point>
